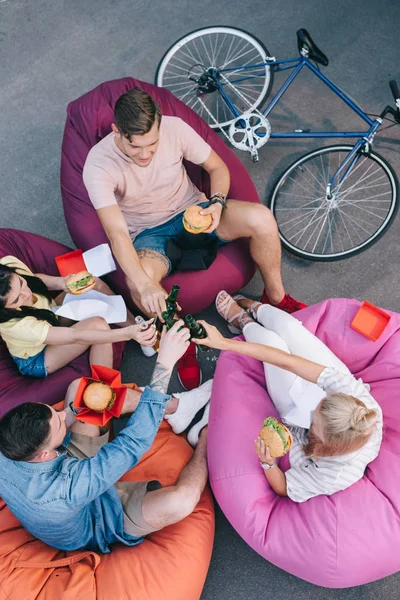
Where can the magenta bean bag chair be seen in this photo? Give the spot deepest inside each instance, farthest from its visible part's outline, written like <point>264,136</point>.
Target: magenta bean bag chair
<point>38,254</point>
<point>89,120</point>
<point>349,538</point>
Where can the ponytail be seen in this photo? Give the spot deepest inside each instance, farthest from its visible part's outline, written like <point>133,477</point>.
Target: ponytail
<point>36,286</point>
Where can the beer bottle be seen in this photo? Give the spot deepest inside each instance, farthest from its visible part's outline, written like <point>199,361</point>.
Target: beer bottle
<point>171,300</point>
<point>196,331</point>
<point>143,326</point>
<point>169,320</point>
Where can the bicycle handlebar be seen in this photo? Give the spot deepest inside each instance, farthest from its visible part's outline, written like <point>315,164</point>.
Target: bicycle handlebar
<point>395,89</point>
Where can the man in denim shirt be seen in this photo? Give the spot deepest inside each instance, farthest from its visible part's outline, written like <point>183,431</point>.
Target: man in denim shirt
<point>69,497</point>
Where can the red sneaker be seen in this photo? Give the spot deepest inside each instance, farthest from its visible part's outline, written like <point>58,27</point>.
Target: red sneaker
<point>288,304</point>
<point>189,372</point>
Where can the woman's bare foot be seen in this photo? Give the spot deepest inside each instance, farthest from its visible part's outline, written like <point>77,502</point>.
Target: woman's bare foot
<point>231,311</point>
<point>251,306</point>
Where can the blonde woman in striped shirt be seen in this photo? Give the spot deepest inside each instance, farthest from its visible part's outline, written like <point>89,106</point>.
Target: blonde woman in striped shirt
<point>335,422</point>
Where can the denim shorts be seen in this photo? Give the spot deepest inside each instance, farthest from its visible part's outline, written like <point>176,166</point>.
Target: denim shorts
<point>157,238</point>
<point>33,366</point>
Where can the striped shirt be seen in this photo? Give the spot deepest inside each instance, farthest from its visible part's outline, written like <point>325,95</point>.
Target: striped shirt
<point>311,477</point>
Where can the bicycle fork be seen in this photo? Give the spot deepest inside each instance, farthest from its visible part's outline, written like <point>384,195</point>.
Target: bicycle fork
<point>349,163</point>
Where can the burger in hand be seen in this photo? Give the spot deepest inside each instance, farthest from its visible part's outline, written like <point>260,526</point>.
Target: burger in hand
<point>276,436</point>
<point>98,396</point>
<point>81,282</point>
<point>194,222</point>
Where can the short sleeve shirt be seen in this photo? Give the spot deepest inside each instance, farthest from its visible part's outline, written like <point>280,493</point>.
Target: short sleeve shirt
<point>308,477</point>
<point>147,196</point>
<point>25,337</point>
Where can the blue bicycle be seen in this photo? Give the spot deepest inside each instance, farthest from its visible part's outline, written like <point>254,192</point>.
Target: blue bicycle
<point>331,203</point>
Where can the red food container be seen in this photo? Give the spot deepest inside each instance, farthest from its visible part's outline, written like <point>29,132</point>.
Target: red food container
<point>112,378</point>
<point>370,321</point>
<point>69,263</point>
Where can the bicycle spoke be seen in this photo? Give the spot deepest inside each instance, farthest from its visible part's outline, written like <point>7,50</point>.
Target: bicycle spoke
<point>358,210</point>
<point>230,58</point>
<point>217,47</point>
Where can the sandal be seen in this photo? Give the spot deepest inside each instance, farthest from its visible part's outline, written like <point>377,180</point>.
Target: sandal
<point>251,308</point>
<point>223,306</point>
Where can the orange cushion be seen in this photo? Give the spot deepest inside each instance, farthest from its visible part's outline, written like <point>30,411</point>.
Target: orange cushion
<point>171,564</point>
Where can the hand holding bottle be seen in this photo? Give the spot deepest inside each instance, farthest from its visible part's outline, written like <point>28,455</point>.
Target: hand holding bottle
<point>143,337</point>
<point>173,344</point>
<point>214,338</point>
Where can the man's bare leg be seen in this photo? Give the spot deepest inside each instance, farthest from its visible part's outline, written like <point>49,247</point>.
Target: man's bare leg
<point>256,222</point>
<point>169,505</point>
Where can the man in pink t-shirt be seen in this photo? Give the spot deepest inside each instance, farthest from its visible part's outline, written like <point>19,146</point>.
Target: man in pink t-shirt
<point>136,180</point>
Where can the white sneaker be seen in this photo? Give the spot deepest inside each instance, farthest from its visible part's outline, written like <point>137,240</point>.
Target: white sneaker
<point>148,350</point>
<point>194,432</point>
<point>189,404</point>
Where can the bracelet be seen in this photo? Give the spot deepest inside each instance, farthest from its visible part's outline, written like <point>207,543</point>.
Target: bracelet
<point>217,201</point>
<point>219,195</point>
<point>72,409</point>
<point>267,466</point>
<point>218,198</point>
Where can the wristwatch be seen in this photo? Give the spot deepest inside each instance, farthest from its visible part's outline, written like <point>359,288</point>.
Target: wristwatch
<point>267,466</point>
<point>218,198</point>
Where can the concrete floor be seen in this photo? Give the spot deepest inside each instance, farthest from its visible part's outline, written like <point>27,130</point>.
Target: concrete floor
<point>52,52</point>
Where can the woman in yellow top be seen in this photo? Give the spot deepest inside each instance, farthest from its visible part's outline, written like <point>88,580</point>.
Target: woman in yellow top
<point>34,335</point>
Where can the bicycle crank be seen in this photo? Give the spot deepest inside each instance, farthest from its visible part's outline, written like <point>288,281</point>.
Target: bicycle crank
<point>250,132</point>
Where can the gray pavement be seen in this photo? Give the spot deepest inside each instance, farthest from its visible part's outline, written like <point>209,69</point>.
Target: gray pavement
<point>53,51</point>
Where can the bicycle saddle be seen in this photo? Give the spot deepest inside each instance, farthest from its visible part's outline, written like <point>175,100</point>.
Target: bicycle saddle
<point>304,41</point>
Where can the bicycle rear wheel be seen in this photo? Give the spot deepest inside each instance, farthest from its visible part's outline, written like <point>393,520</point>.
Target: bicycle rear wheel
<point>362,208</point>
<point>220,48</point>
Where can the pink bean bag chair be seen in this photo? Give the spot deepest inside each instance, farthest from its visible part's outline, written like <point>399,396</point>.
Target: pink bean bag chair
<point>38,254</point>
<point>89,120</point>
<point>349,538</point>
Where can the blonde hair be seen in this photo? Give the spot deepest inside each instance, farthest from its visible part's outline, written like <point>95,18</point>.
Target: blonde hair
<point>342,424</point>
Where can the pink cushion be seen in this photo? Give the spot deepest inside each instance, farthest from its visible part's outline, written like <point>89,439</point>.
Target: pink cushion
<point>89,119</point>
<point>38,253</point>
<point>347,539</point>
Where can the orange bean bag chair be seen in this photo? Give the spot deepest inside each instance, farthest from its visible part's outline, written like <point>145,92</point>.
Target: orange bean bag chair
<point>170,564</point>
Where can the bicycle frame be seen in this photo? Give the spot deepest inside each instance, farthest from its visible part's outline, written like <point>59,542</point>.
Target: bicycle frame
<point>365,137</point>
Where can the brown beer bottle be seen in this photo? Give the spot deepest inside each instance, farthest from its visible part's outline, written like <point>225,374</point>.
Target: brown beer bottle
<point>143,326</point>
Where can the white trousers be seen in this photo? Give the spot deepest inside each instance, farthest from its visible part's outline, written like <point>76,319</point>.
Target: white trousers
<point>294,398</point>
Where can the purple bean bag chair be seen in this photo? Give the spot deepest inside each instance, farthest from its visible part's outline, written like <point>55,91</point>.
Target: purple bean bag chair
<point>38,254</point>
<point>349,538</point>
<point>89,120</point>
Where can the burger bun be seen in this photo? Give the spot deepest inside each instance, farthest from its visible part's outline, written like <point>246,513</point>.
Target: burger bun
<point>273,440</point>
<point>98,396</point>
<point>73,281</point>
<point>194,222</point>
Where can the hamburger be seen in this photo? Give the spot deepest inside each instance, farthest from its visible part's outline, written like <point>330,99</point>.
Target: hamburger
<point>98,396</point>
<point>276,436</point>
<point>80,282</point>
<point>194,222</point>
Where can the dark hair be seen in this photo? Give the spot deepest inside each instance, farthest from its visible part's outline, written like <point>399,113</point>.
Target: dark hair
<point>24,430</point>
<point>36,286</point>
<point>135,113</point>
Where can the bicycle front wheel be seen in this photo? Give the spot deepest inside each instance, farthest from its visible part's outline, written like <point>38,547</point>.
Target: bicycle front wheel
<point>247,85</point>
<point>361,208</point>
